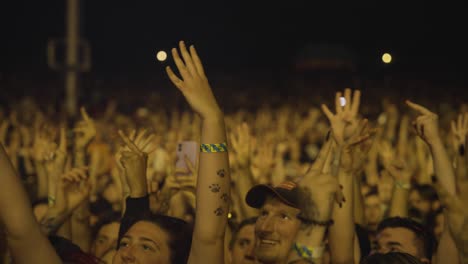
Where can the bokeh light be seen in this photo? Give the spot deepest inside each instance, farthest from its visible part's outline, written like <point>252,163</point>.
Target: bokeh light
<point>161,55</point>
<point>387,58</point>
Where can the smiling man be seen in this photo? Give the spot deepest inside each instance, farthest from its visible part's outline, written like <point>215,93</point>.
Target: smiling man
<point>279,222</point>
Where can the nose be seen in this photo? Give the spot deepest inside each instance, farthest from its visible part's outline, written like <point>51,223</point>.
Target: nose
<point>126,254</point>
<point>266,225</point>
<point>250,250</point>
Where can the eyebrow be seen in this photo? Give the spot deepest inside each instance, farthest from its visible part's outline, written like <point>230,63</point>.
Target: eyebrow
<point>145,239</point>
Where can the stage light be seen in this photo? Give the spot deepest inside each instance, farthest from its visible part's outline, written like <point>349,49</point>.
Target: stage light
<point>387,58</point>
<point>161,55</point>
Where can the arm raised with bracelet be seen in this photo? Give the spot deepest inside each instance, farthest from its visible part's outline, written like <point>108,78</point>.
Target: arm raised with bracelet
<point>213,185</point>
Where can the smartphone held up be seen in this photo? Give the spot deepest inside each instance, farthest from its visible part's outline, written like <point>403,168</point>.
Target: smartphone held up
<point>189,150</point>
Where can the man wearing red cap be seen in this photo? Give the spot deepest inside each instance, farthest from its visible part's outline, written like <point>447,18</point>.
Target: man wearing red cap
<point>286,210</point>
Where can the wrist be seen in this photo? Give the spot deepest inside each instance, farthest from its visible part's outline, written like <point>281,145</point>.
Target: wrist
<point>405,185</point>
<point>435,142</point>
<point>138,191</point>
<point>215,116</point>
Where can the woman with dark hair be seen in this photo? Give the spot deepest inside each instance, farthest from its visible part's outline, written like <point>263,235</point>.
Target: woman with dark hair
<point>164,239</point>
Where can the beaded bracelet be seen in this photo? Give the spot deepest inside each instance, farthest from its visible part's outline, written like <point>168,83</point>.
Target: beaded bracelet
<point>213,148</point>
<point>308,252</point>
<point>403,185</point>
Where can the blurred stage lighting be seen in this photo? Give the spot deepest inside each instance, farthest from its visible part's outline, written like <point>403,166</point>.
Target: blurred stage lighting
<point>161,55</point>
<point>387,58</point>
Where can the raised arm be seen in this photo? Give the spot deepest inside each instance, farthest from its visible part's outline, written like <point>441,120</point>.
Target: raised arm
<point>16,216</point>
<point>456,213</point>
<point>426,126</point>
<point>133,158</point>
<point>346,131</point>
<point>213,186</point>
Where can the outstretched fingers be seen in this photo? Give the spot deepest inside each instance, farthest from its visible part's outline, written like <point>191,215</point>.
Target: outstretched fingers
<point>174,79</point>
<point>187,58</point>
<point>356,102</point>
<point>197,62</point>
<point>128,142</point>
<point>181,67</point>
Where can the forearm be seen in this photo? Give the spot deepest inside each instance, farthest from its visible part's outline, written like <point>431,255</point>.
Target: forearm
<point>80,230</point>
<point>442,166</point>
<point>341,233</point>
<point>390,131</point>
<point>79,159</point>
<point>52,221</point>
<point>15,210</point>
<point>372,172</point>
<point>18,220</point>
<point>213,193</point>
<point>399,202</point>
<point>447,250</point>
<point>358,201</point>
<point>41,174</point>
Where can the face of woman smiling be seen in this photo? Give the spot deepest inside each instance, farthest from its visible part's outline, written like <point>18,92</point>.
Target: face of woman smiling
<point>143,243</point>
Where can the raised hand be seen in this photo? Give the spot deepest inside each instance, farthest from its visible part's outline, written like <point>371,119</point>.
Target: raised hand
<point>85,130</point>
<point>74,188</point>
<point>344,122</point>
<point>44,147</point>
<point>460,132</point>
<point>56,164</point>
<point>241,141</point>
<point>134,160</point>
<point>183,179</point>
<point>320,187</point>
<point>193,82</point>
<point>212,206</point>
<point>426,124</point>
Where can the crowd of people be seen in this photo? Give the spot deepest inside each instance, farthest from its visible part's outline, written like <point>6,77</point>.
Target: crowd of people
<point>282,183</point>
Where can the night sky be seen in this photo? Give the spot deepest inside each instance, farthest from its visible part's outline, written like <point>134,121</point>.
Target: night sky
<point>233,35</point>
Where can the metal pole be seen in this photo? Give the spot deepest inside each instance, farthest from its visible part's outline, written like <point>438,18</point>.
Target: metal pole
<point>72,42</point>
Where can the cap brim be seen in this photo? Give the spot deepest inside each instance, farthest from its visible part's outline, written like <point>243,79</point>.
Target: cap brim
<point>257,195</point>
